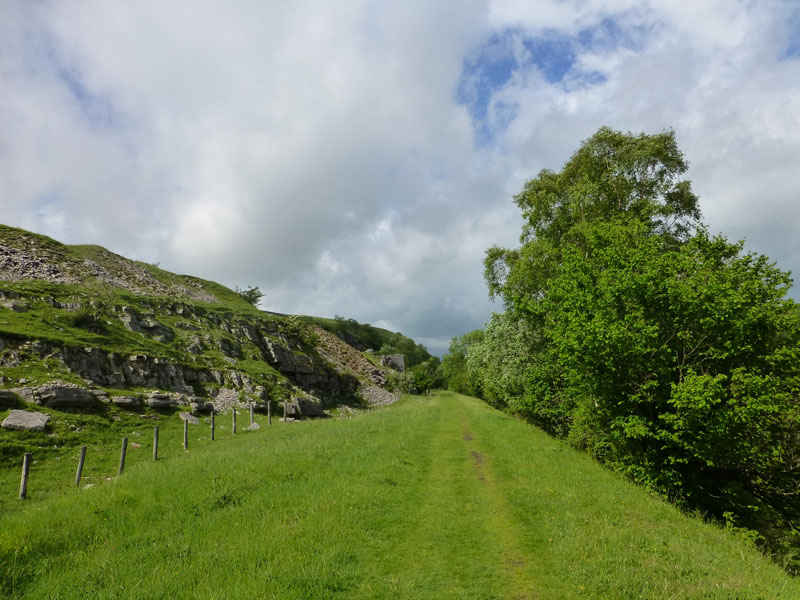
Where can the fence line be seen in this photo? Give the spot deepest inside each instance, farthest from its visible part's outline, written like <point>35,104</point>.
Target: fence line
<point>27,459</point>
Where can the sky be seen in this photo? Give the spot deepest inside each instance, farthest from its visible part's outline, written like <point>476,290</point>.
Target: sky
<point>357,158</point>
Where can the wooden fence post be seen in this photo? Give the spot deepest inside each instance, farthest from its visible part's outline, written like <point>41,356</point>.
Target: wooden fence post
<point>212,424</point>
<point>122,456</point>
<point>26,467</point>
<point>234,421</point>
<point>252,420</point>
<point>269,411</point>
<point>155,443</point>
<point>284,411</point>
<point>81,460</point>
<point>185,434</point>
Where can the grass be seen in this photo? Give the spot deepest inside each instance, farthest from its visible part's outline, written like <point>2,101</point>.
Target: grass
<point>439,497</point>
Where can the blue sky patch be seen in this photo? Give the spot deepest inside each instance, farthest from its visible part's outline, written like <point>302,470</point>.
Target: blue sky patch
<point>515,52</point>
<point>97,109</point>
<point>793,43</point>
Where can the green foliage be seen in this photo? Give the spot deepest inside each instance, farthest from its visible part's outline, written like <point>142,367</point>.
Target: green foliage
<point>252,295</point>
<point>454,364</point>
<point>426,375</point>
<point>302,330</point>
<point>400,381</point>
<point>666,352</point>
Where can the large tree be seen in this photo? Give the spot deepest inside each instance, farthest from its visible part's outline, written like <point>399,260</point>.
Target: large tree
<point>666,352</point>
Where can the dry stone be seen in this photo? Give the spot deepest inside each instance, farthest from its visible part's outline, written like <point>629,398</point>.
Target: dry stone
<point>24,420</point>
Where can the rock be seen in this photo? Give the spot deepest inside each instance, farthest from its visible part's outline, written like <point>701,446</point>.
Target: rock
<point>198,407</point>
<point>377,396</point>
<point>126,401</point>
<point>15,305</point>
<point>101,395</point>
<point>253,427</point>
<point>8,399</point>
<point>146,324</point>
<point>191,419</point>
<point>226,398</point>
<point>24,420</point>
<point>158,400</point>
<point>310,406</point>
<point>394,361</point>
<point>304,405</point>
<point>62,395</point>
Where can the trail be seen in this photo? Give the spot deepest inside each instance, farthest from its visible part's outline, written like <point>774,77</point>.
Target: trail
<point>463,529</point>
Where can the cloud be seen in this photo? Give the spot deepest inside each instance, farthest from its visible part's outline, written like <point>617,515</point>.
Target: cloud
<point>358,158</point>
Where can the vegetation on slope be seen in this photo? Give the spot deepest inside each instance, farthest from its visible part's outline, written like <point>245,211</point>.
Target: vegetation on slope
<point>431,498</point>
<point>665,352</point>
<point>364,336</point>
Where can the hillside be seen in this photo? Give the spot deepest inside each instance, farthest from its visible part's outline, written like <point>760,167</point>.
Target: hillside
<point>82,328</point>
<point>439,497</point>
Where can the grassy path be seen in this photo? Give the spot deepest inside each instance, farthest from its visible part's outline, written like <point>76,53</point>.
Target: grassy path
<point>432,498</point>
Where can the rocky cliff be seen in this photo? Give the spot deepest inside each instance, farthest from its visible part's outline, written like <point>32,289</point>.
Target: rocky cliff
<point>82,327</point>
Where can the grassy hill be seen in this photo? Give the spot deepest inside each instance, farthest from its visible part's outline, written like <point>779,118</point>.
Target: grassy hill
<point>120,340</point>
<point>125,339</point>
<point>437,497</point>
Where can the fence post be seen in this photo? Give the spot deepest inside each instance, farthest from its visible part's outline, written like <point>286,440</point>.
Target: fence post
<point>252,420</point>
<point>155,443</point>
<point>81,459</point>
<point>269,411</point>
<point>26,467</point>
<point>185,434</point>
<point>212,424</point>
<point>122,456</point>
<point>234,421</point>
<point>284,410</point>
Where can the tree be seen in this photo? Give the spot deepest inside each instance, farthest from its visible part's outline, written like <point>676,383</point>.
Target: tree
<point>252,294</point>
<point>612,176</point>
<point>425,375</point>
<point>666,352</point>
<point>454,364</point>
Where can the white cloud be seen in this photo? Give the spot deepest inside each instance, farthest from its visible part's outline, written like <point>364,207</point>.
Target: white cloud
<point>320,151</point>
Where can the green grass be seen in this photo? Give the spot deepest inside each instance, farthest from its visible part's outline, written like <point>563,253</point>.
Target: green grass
<point>437,497</point>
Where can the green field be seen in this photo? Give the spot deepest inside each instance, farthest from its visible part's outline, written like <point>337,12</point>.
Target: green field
<point>432,498</point>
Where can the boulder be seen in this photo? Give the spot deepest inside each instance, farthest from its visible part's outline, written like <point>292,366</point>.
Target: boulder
<point>191,419</point>
<point>253,427</point>
<point>394,361</point>
<point>25,420</point>
<point>63,395</point>
<point>8,399</point>
<point>126,401</point>
<point>158,400</point>
<point>304,406</point>
<point>200,407</point>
